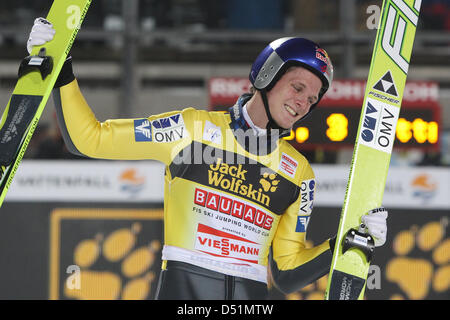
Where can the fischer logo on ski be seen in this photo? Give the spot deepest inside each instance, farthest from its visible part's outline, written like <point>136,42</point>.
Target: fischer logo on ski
<point>386,85</point>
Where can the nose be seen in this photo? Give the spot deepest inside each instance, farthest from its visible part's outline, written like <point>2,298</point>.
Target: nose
<point>302,102</point>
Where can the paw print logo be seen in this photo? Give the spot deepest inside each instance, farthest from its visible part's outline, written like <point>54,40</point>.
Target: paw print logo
<point>114,267</point>
<point>268,182</point>
<point>422,263</point>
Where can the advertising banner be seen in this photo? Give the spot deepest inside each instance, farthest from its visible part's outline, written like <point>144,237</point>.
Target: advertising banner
<point>406,187</point>
<point>84,180</point>
<point>143,182</point>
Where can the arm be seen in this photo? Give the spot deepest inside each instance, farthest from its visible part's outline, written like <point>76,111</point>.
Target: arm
<point>125,139</point>
<point>158,137</point>
<point>294,266</point>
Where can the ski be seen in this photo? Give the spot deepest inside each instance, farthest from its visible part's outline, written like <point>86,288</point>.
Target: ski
<point>36,77</point>
<point>372,152</point>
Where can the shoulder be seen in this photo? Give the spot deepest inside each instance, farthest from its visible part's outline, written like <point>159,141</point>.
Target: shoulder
<point>297,160</point>
<point>196,114</point>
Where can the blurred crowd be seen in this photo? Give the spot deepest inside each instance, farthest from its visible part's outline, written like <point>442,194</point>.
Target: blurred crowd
<point>231,14</point>
<point>47,143</point>
<point>436,14</point>
<point>287,15</point>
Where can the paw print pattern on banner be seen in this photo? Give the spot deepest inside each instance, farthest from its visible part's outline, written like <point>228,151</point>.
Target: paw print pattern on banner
<point>135,279</point>
<point>417,277</point>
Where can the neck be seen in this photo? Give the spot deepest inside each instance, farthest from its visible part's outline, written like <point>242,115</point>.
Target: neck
<point>255,110</point>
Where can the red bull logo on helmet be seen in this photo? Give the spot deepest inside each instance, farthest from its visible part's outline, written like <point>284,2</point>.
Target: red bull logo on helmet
<point>322,55</point>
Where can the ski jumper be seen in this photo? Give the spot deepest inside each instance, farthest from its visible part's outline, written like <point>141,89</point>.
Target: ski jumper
<point>234,203</point>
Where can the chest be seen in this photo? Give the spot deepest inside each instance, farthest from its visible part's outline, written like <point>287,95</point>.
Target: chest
<point>233,173</point>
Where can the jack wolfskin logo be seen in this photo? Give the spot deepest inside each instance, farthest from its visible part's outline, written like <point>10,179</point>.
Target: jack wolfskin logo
<point>268,182</point>
<point>233,178</point>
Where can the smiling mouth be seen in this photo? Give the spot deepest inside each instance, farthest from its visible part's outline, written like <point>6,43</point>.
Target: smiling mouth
<point>291,111</point>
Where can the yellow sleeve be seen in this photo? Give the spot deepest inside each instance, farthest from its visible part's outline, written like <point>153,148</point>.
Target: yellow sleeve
<point>293,265</point>
<point>159,137</point>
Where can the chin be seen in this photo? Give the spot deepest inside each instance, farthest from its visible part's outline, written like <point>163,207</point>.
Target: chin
<point>289,123</point>
<point>286,127</point>
<point>286,123</point>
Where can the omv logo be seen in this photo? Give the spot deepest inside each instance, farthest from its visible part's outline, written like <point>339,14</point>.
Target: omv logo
<point>130,182</point>
<point>370,123</point>
<point>424,187</point>
<point>378,126</point>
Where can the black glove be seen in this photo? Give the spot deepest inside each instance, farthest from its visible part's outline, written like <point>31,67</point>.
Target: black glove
<point>66,75</point>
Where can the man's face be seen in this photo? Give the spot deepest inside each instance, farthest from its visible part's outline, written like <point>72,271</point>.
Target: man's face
<point>293,95</point>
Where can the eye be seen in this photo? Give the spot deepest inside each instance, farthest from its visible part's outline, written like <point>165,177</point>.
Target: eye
<point>297,88</point>
<point>312,101</point>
